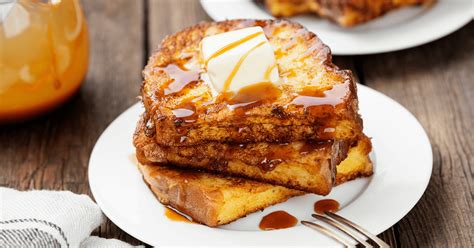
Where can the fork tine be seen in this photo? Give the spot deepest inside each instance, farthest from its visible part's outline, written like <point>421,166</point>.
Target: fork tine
<point>327,232</point>
<point>363,231</point>
<point>342,228</point>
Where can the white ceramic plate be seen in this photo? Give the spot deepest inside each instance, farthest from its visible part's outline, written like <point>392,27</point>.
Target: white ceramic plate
<point>402,157</point>
<point>399,29</point>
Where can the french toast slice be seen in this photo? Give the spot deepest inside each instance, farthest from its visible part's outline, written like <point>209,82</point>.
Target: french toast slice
<point>306,166</point>
<point>211,199</point>
<point>357,163</point>
<point>318,101</point>
<point>214,199</point>
<point>346,13</point>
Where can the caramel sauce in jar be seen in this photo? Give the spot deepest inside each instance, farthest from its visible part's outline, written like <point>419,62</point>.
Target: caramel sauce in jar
<point>173,215</point>
<point>44,60</point>
<point>326,205</point>
<point>277,220</point>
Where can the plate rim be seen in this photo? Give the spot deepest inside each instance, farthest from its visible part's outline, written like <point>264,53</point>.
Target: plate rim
<point>410,43</point>
<point>99,200</point>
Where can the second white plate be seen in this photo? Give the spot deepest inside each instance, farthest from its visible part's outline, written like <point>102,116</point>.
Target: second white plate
<point>399,29</point>
<point>402,158</point>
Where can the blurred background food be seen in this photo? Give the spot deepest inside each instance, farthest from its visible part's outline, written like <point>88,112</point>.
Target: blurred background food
<point>44,55</point>
<point>345,13</point>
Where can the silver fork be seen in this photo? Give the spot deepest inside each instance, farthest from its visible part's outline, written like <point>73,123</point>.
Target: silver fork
<point>346,226</point>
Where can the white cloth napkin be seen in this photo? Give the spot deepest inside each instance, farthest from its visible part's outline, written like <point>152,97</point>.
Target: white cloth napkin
<point>41,218</point>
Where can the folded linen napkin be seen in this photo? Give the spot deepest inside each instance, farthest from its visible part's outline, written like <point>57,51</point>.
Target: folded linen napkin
<point>41,218</point>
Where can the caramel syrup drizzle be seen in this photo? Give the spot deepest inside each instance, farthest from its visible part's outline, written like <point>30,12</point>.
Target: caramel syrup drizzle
<point>232,45</point>
<point>173,215</point>
<point>237,66</point>
<point>269,71</point>
<point>243,98</point>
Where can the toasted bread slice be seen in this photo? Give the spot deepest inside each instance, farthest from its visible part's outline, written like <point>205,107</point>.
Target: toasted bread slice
<point>214,199</point>
<point>304,166</point>
<point>318,100</point>
<point>346,13</point>
<point>357,163</point>
<point>289,8</point>
<point>211,199</point>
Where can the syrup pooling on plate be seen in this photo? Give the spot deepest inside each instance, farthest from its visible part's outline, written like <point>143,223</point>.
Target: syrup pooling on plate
<point>277,220</point>
<point>173,215</point>
<point>326,205</point>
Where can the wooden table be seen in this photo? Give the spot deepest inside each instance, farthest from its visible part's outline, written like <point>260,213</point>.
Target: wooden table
<point>433,81</point>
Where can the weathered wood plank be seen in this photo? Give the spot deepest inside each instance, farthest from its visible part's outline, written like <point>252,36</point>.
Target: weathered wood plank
<point>117,38</point>
<point>185,13</point>
<point>435,82</point>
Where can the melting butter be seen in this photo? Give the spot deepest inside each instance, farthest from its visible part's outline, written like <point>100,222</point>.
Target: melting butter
<point>236,59</point>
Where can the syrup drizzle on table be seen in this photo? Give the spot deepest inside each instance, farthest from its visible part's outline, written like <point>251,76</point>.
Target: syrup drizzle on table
<point>277,220</point>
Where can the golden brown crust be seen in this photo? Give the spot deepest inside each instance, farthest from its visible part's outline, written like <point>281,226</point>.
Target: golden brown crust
<point>304,166</point>
<point>346,13</point>
<point>203,196</point>
<point>357,164</point>
<point>303,60</point>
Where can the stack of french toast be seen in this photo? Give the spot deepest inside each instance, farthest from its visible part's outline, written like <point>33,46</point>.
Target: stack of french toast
<point>346,13</point>
<point>219,140</point>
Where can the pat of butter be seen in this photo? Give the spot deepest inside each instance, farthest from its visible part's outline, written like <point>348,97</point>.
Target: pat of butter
<point>239,58</point>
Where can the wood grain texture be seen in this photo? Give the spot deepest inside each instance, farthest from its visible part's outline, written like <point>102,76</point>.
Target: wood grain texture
<point>434,81</point>
<point>185,13</point>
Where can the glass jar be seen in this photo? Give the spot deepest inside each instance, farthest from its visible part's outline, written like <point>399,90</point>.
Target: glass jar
<point>43,55</point>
